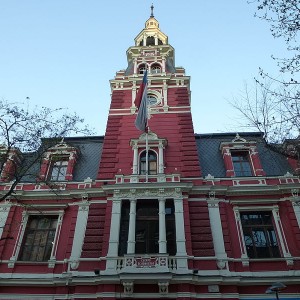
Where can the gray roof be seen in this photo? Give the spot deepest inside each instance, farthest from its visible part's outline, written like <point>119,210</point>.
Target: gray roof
<point>208,146</point>
<point>89,156</point>
<point>87,165</point>
<point>211,161</point>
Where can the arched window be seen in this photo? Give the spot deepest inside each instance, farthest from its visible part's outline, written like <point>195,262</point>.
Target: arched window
<point>142,69</point>
<point>152,163</point>
<point>155,69</point>
<point>150,41</point>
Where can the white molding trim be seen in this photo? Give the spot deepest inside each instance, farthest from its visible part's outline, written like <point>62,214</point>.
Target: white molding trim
<point>79,234</point>
<point>19,239</point>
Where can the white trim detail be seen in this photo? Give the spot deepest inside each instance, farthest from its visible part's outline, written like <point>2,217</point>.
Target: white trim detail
<point>80,228</point>
<point>112,254</point>
<point>277,226</point>
<point>217,233</point>
<point>19,239</point>
<point>4,211</point>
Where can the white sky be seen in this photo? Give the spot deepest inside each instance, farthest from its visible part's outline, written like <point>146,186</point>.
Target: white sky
<point>62,53</point>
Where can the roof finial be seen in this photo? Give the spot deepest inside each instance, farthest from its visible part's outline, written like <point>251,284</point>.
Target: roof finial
<point>152,15</point>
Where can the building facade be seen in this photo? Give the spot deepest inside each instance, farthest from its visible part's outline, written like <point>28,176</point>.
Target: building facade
<point>164,214</point>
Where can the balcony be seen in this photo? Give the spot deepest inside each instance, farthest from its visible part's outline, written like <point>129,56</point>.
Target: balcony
<point>121,179</point>
<point>152,263</point>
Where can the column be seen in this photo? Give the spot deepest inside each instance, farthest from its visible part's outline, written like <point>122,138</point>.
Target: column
<point>217,233</point>
<point>131,229</point>
<point>4,211</point>
<point>81,222</point>
<point>135,160</point>
<point>162,242</point>
<point>281,236</point>
<point>111,263</point>
<point>135,67</point>
<point>160,158</point>
<point>296,206</point>
<point>163,65</point>
<point>180,236</point>
<point>179,223</point>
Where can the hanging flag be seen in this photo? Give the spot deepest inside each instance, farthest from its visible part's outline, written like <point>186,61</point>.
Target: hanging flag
<point>141,103</point>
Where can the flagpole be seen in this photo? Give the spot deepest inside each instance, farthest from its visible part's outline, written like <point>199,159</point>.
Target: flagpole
<point>147,150</point>
<point>147,158</point>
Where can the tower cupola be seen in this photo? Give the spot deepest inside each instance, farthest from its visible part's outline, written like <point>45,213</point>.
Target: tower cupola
<point>151,34</point>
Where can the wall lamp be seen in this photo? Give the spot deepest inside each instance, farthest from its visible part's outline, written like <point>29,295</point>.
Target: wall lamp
<point>276,288</point>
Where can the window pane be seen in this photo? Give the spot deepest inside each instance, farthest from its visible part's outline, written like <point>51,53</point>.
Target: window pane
<point>59,170</point>
<point>241,163</point>
<point>152,163</point>
<point>259,235</point>
<point>38,238</point>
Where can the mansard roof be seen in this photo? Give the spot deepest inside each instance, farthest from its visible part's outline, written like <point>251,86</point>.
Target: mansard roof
<point>208,147</point>
<point>211,160</point>
<point>87,164</point>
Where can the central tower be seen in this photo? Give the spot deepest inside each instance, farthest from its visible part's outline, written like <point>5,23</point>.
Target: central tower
<point>172,147</point>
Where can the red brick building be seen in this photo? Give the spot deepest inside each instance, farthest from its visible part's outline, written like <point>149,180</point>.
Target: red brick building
<point>198,216</point>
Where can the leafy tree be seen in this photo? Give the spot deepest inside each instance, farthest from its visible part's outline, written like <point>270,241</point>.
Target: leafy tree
<point>26,133</point>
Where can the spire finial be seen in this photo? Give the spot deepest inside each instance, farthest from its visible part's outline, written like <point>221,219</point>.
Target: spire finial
<point>152,15</point>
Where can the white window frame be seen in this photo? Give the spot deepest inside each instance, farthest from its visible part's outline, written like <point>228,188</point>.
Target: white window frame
<point>139,145</point>
<point>277,226</point>
<point>21,233</point>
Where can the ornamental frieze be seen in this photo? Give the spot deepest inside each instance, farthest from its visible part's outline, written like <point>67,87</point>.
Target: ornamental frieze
<point>148,193</point>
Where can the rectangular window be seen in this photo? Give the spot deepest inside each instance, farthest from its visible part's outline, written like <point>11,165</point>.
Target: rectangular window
<point>259,235</point>
<point>58,170</point>
<point>38,238</point>
<point>147,227</point>
<point>241,163</point>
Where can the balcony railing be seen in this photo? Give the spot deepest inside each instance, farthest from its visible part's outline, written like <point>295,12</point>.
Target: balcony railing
<point>150,178</point>
<point>139,263</point>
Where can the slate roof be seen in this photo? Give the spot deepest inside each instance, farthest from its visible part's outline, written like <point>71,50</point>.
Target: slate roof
<point>211,161</point>
<point>87,165</point>
<point>89,158</point>
<point>208,147</point>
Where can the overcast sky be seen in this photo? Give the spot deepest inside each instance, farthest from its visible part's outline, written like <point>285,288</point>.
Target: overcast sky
<point>62,53</point>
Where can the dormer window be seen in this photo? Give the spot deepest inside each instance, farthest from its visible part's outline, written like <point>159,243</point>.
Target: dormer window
<point>241,158</point>
<point>58,163</point>
<point>152,163</point>
<point>58,170</point>
<point>10,159</point>
<point>241,163</point>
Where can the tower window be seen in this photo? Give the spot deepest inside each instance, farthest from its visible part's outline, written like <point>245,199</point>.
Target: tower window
<point>152,163</point>
<point>155,69</point>
<point>150,41</point>
<point>142,69</point>
<point>152,100</point>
